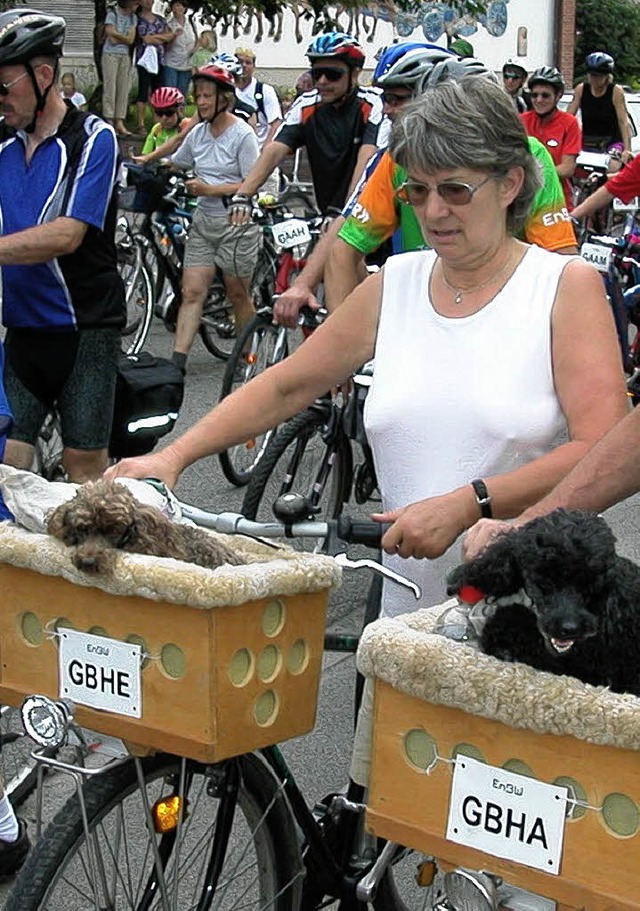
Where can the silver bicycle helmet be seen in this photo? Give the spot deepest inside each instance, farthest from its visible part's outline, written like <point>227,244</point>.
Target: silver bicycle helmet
<point>548,75</point>
<point>599,62</point>
<point>454,68</point>
<point>28,33</point>
<point>406,64</point>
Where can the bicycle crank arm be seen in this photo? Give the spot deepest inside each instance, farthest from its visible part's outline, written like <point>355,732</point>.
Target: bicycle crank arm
<point>368,886</point>
<point>343,560</point>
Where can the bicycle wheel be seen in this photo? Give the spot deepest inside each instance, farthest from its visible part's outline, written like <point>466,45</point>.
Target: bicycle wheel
<point>261,868</point>
<point>259,346</point>
<point>302,458</point>
<point>139,295</point>
<point>400,889</point>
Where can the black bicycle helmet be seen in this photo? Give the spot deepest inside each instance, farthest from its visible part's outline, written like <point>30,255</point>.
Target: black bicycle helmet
<point>28,33</point>
<point>547,75</point>
<point>455,68</point>
<point>599,62</point>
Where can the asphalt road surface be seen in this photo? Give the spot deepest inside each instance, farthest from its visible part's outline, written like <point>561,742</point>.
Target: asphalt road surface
<point>319,760</point>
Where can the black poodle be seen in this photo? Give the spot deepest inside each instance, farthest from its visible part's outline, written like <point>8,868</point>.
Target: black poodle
<point>576,604</point>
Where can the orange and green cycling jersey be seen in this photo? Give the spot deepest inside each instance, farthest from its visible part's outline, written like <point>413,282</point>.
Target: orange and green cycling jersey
<point>373,213</point>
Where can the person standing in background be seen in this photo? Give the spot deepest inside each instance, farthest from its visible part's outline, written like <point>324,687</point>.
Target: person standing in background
<point>70,93</point>
<point>264,100</point>
<point>605,119</point>
<point>177,61</point>
<point>120,34</point>
<point>153,34</point>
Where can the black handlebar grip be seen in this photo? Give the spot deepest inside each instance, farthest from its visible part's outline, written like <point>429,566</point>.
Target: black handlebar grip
<point>354,531</point>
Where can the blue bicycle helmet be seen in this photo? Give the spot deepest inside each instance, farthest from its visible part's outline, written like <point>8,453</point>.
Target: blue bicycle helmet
<point>406,63</point>
<point>336,44</point>
<point>455,68</point>
<point>228,62</point>
<point>599,62</point>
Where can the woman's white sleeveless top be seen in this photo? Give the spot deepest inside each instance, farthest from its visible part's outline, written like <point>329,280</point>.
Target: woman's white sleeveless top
<point>458,399</point>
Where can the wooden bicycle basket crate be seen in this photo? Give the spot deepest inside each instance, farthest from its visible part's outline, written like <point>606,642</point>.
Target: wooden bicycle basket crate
<point>442,708</point>
<point>226,660</point>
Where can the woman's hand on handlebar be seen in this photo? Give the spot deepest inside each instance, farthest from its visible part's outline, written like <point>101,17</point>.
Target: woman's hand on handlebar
<point>481,535</point>
<point>429,527</point>
<point>157,465</point>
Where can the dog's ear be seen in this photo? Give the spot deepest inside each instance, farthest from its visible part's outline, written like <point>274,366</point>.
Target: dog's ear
<point>494,572</point>
<point>56,521</point>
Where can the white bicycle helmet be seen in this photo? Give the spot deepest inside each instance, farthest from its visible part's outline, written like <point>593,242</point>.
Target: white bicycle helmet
<point>406,63</point>
<point>228,62</point>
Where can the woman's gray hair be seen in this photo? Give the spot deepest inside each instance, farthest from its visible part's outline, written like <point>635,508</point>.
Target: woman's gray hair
<point>469,124</point>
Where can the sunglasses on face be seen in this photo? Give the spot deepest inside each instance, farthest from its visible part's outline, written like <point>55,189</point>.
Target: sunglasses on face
<point>393,99</point>
<point>513,76</point>
<point>166,112</point>
<point>545,95</point>
<point>330,73</point>
<point>453,192</point>
<point>6,86</point>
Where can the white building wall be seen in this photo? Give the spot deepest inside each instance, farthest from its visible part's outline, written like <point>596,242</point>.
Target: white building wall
<point>283,60</point>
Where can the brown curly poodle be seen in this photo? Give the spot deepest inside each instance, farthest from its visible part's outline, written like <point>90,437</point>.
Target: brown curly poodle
<point>104,517</point>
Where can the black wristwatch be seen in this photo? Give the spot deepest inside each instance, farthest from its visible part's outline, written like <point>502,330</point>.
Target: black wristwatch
<point>482,498</point>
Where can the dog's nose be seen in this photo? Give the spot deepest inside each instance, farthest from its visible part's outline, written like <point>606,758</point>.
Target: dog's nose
<point>568,629</point>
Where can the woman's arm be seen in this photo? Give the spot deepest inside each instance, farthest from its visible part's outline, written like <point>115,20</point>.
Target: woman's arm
<point>590,387</point>
<point>327,358</point>
<point>623,116</point>
<point>574,107</point>
<point>591,204</point>
<point>567,166</point>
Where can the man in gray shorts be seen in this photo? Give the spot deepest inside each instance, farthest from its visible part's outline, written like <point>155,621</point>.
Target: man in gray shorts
<point>221,150</point>
<point>62,297</point>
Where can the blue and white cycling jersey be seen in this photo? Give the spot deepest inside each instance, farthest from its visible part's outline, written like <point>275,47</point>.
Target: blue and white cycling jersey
<point>6,421</point>
<point>71,174</point>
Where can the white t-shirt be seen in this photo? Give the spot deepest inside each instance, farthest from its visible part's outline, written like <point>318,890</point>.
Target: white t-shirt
<point>272,109</point>
<point>458,399</point>
<point>227,158</point>
<point>178,53</point>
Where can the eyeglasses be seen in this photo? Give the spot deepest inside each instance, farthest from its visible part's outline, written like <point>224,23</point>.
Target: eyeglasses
<point>454,193</point>
<point>542,94</point>
<point>330,73</point>
<point>166,112</point>
<point>5,86</point>
<point>512,76</point>
<point>393,99</point>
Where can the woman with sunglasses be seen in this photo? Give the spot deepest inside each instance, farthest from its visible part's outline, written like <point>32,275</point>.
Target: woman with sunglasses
<point>497,364</point>
<point>602,107</point>
<point>559,132</point>
<point>168,106</point>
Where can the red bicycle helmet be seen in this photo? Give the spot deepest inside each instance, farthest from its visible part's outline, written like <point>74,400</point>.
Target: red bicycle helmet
<point>166,97</point>
<point>217,74</point>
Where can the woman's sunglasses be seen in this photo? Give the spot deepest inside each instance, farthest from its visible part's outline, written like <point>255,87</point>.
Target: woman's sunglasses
<point>166,112</point>
<point>330,73</point>
<point>393,99</point>
<point>454,193</point>
<point>6,86</point>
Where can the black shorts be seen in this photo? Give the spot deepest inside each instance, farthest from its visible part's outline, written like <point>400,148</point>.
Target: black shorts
<point>74,370</point>
<point>147,83</point>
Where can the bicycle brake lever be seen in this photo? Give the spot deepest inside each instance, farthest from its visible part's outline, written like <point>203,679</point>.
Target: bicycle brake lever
<point>343,560</point>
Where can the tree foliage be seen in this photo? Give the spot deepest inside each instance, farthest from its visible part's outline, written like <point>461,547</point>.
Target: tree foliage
<point>612,26</point>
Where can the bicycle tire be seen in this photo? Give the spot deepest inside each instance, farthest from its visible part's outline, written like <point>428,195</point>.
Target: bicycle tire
<point>298,459</point>
<point>57,872</point>
<point>399,889</point>
<point>139,296</point>
<point>215,322</point>
<point>259,346</point>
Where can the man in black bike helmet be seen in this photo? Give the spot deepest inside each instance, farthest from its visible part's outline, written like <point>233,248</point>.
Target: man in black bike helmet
<point>62,296</point>
<point>559,132</point>
<point>514,77</point>
<point>605,119</point>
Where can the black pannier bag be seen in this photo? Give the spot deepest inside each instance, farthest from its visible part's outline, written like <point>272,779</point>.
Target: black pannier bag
<point>149,392</point>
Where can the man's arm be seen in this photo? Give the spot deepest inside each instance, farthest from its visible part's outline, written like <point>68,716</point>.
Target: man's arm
<point>567,166</point>
<point>270,158</point>
<point>365,155</point>
<point>44,242</point>
<point>344,271</point>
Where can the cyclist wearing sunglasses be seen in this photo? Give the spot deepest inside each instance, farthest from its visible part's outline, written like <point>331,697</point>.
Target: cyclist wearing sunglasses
<point>337,122</point>
<point>602,107</point>
<point>62,295</point>
<point>168,106</point>
<point>513,79</point>
<point>558,131</point>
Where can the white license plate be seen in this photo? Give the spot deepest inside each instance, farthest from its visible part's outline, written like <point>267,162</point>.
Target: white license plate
<point>291,233</point>
<point>507,815</point>
<point>596,254</point>
<point>100,672</point>
<point>631,206</point>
